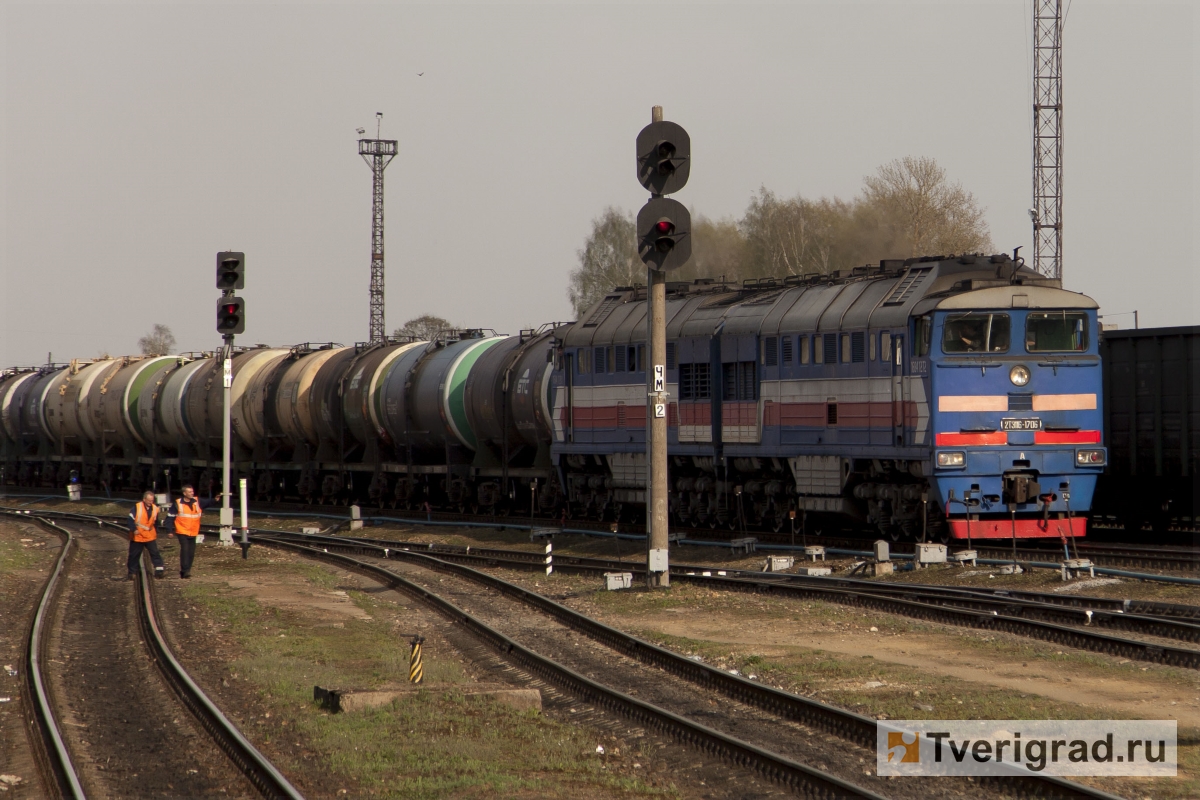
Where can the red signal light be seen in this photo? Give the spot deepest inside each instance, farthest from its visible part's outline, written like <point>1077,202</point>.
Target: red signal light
<point>231,309</point>
<point>664,227</point>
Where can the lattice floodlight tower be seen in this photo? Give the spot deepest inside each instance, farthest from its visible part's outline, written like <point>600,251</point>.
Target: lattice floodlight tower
<point>1047,138</point>
<point>378,153</point>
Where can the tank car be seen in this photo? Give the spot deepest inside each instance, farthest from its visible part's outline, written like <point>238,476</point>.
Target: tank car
<point>941,397</point>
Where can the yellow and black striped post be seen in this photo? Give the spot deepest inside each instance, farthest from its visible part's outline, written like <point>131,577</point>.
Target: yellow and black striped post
<point>416,671</point>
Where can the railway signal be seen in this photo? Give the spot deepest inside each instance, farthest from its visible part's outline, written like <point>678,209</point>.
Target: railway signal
<point>231,315</point>
<point>231,320</point>
<point>664,234</point>
<point>664,230</point>
<point>664,157</point>
<point>231,271</point>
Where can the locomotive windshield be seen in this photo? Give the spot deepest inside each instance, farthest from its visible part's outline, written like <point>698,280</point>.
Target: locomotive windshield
<point>976,333</point>
<point>1056,331</point>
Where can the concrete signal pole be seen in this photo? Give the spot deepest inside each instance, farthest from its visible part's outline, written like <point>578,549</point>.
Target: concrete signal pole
<point>231,320</point>
<point>664,243</point>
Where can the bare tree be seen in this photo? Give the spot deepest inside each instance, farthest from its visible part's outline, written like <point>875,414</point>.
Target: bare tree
<point>159,342</point>
<point>609,258</point>
<point>422,328</point>
<point>718,250</point>
<point>932,215</point>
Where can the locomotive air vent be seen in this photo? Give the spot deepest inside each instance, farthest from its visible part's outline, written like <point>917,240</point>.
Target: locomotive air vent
<point>603,310</point>
<point>907,286</point>
<point>1019,401</point>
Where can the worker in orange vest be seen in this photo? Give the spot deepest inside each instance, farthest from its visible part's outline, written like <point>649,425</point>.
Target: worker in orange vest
<point>143,535</point>
<point>187,511</point>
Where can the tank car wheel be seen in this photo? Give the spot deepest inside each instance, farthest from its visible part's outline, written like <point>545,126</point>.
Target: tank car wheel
<point>895,533</point>
<point>777,523</point>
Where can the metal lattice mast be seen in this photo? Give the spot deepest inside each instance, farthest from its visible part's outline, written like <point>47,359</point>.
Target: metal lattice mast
<point>378,153</point>
<point>1047,138</point>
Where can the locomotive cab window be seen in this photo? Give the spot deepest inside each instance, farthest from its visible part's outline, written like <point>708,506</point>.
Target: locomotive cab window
<point>922,332</point>
<point>976,333</point>
<point>1056,332</point>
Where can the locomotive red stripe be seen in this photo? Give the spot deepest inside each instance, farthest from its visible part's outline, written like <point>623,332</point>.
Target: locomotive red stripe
<point>1002,528</point>
<point>1066,437</point>
<point>951,439</point>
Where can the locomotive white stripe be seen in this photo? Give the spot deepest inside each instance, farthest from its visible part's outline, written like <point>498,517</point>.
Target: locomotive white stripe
<point>973,402</point>
<point>1064,402</point>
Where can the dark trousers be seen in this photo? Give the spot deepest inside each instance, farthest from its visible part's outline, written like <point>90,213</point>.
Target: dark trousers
<point>135,555</point>
<point>187,552</point>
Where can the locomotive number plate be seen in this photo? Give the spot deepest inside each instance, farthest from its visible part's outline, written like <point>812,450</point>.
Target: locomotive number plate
<point>1033,424</point>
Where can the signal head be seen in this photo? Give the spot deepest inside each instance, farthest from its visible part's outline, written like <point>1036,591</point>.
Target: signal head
<point>231,271</point>
<point>663,157</point>
<point>231,315</point>
<point>664,234</point>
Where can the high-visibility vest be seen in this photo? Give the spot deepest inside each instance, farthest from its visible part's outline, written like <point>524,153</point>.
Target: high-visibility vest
<point>145,523</point>
<point>187,518</point>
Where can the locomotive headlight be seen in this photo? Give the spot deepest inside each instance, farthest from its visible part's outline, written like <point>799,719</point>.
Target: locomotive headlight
<point>1019,375</point>
<point>951,459</point>
<point>1089,458</point>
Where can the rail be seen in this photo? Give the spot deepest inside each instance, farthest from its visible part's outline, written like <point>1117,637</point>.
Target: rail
<point>54,757</point>
<point>844,724</point>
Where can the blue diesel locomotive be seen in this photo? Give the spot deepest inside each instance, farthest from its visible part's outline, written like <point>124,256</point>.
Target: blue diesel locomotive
<point>942,397</point>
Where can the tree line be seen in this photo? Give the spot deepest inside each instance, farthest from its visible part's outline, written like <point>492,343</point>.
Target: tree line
<point>907,208</point>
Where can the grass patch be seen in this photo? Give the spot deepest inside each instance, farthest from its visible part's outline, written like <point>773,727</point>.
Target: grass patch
<point>17,555</point>
<point>433,744</point>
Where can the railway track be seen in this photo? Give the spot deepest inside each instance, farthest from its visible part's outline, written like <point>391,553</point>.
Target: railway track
<point>62,770</point>
<point>1069,622</point>
<point>1102,554</point>
<point>844,725</point>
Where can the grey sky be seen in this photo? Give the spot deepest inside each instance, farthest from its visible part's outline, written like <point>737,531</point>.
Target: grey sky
<point>140,140</point>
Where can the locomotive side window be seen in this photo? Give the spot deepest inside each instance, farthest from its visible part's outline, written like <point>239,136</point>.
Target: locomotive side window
<point>804,350</point>
<point>976,333</point>
<point>1056,331</point>
<point>922,332</point>
<point>871,357</point>
<point>695,382</point>
<point>846,348</point>
<point>581,362</point>
<point>818,349</point>
<point>885,346</point>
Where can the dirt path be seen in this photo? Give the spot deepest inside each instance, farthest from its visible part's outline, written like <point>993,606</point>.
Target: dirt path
<point>1146,696</point>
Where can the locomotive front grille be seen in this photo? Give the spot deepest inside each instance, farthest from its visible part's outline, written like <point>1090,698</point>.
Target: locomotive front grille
<point>1020,401</point>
